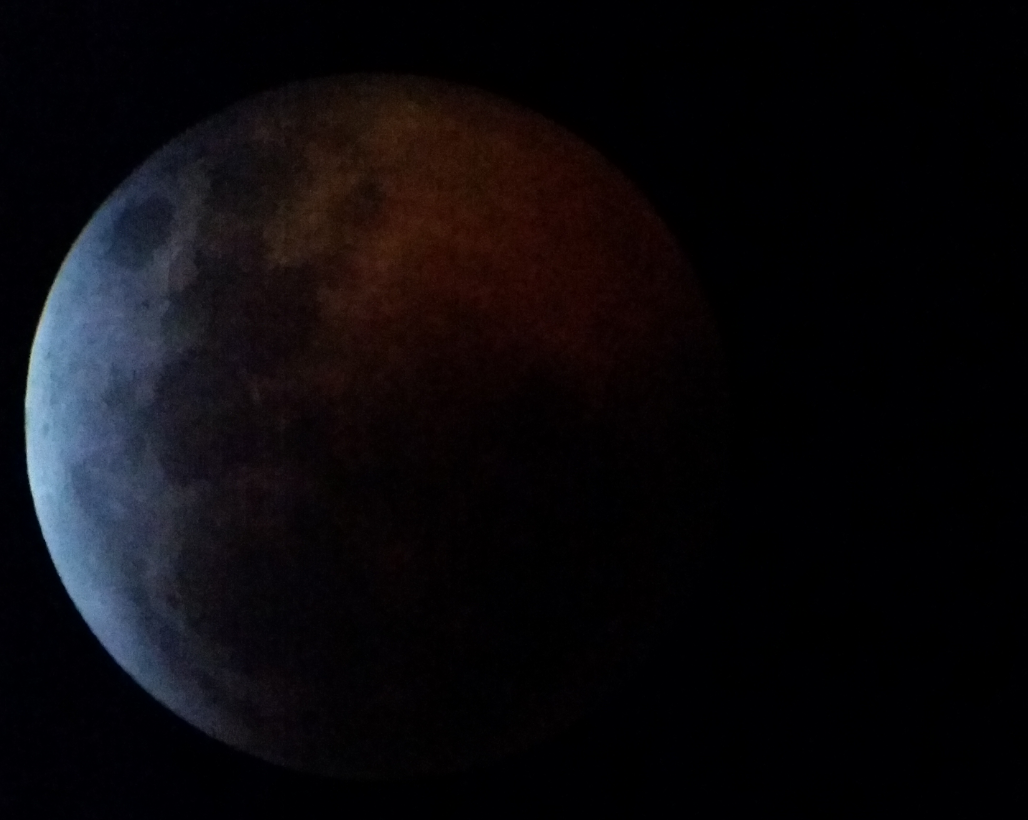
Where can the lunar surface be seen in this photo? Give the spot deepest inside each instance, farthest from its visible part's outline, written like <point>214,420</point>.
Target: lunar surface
<point>371,423</point>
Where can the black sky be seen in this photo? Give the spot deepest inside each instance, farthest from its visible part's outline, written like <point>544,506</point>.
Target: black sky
<point>842,185</point>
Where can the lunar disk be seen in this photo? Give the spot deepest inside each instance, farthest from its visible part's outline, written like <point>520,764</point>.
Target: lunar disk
<point>371,423</point>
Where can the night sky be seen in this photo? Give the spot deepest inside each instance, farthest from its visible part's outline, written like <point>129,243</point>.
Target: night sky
<point>840,184</point>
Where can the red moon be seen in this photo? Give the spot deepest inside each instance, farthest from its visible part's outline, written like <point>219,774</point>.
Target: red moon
<point>370,424</point>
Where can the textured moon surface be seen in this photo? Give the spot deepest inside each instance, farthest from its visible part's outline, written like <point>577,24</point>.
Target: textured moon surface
<point>370,424</point>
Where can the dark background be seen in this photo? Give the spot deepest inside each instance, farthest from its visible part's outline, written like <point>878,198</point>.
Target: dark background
<point>844,186</point>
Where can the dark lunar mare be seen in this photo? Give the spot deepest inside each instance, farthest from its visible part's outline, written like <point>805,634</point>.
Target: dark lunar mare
<point>374,572</point>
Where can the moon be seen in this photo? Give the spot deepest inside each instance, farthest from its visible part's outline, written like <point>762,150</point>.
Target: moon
<point>371,424</point>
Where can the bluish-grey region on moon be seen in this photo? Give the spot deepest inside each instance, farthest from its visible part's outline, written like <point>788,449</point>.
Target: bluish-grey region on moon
<point>344,541</point>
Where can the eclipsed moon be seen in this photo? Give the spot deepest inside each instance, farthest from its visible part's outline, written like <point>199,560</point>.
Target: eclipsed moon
<point>369,422</point>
